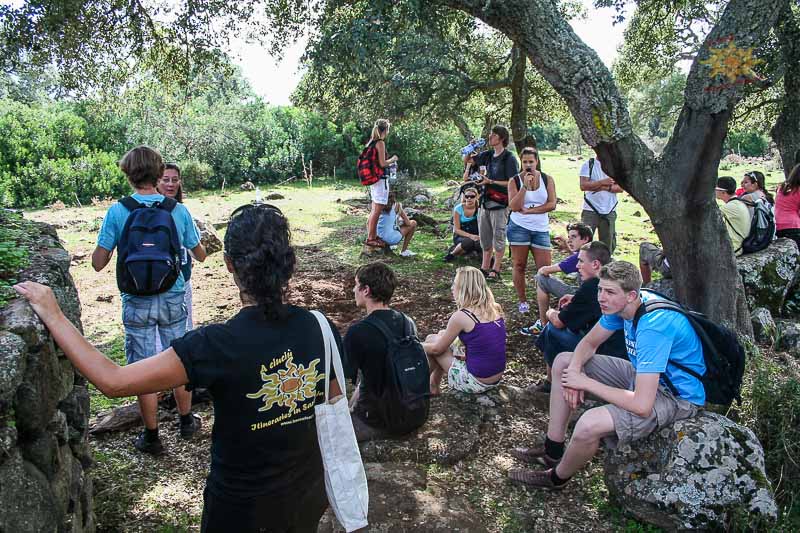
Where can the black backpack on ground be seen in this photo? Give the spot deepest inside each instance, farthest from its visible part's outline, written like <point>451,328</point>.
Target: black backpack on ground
<point>724,356</point>
<point>404,401</point>
<point>149,250</point>
<point>762,227</point>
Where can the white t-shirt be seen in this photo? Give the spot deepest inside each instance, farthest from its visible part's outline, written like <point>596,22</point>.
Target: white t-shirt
<point>538,221</point>
<point>603,201</point>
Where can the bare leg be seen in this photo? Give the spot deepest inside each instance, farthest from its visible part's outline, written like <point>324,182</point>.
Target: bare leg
<point>372,221</point>
<point>591,428</point>
<point>559,408</point>
<point>498,258</point>
<point>458,250</point>
<point>542,257</point>
<point>543,301</point>
<point>184,400</point>
<point>408,233</point>
<point>487,259</point>
<point>646,272</point>
<point>148,407</point>
<point>519,260</point>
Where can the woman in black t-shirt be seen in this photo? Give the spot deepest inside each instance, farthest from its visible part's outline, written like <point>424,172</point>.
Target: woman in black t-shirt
<point>265,370</point>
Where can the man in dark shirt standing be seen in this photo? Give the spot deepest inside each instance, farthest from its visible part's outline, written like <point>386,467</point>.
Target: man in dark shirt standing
<point>578,313</point>
<point>366,354</point>
<point>497,165</point>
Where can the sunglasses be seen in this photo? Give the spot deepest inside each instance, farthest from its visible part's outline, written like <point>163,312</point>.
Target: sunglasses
<point>242,208</point>
<point>470,196</point>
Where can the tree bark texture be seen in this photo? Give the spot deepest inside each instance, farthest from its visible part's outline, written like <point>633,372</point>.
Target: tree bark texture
<point>786,131</point>
<point>519,101</point>
<point>676,190</point>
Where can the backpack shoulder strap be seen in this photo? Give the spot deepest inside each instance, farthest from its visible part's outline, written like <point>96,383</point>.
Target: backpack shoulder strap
<point>129,203</point>
<point>168,204</point>
<point>381,326</point>
<point>591,167</point>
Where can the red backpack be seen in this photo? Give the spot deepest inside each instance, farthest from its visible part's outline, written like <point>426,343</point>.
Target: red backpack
<point>369,170</point>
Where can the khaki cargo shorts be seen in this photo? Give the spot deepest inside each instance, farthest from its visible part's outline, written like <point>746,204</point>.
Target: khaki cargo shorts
<point>619,373</point>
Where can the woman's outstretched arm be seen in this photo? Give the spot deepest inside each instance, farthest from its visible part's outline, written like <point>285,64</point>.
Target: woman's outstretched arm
<point>160,372</point>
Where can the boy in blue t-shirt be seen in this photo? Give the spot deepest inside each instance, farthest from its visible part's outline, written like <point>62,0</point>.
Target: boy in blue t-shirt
<point>639,400</point>
<point>142,316</point>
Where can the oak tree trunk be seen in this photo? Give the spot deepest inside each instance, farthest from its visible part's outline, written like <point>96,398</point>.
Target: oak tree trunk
<point>786,131</point>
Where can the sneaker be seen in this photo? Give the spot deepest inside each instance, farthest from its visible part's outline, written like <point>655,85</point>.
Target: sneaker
<point>533,330</point>
<point>540,388</point>
<point>539,479</point>
<point>143,444</point>
<point>190,428</point>
<point>523,308</point>
<point>407,253</point>
<point>534,455</point>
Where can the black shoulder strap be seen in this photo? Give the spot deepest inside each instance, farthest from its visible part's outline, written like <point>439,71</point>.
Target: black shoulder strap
<point>380,325</point>
<point>167,204</point>
<point>471,315</point>
<point>130,204</point>
<point>591,167</point>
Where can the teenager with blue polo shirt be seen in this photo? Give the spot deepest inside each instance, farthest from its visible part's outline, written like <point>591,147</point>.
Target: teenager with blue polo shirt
<point>638,392</point>
<point>142,316</point>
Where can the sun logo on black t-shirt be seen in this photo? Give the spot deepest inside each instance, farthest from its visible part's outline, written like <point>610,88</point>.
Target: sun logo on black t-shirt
<point>288,385</point>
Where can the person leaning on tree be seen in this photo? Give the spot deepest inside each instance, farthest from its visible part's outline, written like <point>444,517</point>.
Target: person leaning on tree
<point>638,393</point>
<point>599,202</point>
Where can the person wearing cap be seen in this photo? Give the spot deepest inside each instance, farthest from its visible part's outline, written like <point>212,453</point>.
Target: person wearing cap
<point>737,221</point>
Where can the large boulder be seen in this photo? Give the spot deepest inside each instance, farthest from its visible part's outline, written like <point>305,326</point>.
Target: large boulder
<point>696,474</point>
<point>788,337</point>
<point>769,275</point>
<point>764,328</point>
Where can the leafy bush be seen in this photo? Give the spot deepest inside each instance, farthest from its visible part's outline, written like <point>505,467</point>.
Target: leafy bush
<point>548,136</point>
<point>13,257</point>
<point>196,175</point>
<point>746,143</point>
<point>771,408</point>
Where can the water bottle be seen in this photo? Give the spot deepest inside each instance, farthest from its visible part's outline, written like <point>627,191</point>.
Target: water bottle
<point>258,195</point>
<point>473,146</point>
<point>393,173</point>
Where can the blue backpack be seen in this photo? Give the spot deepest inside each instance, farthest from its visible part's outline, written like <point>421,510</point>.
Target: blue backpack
<point>148,258</point>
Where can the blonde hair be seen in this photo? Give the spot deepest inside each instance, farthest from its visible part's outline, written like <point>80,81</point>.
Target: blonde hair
<point>380,130</point>
<point>624,274</point>
<point>471,291</point>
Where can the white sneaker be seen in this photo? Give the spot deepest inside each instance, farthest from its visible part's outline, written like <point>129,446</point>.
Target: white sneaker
<point>407,253</point>
<point>523,307</point>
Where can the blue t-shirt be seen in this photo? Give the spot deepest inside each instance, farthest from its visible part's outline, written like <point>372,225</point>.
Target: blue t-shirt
<point>663,336</point>
<point>462,217</point>
<point>117,214</point>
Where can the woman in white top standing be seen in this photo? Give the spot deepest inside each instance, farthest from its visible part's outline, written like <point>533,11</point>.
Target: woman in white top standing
<point>531,194</point>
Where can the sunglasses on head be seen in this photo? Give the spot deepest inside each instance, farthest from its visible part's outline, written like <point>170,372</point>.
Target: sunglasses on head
<point>242,208</point>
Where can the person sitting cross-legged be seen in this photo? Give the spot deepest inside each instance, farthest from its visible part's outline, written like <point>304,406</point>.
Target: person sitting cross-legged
<point>578,313</point>
<point>638,392</point>
<point>548,285</point>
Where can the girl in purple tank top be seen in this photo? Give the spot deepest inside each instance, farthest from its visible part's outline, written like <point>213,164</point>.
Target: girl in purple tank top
<point>478,324</point>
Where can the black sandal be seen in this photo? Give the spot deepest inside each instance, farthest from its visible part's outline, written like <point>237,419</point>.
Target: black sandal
<point>485,272</point>
<point>496,277</point>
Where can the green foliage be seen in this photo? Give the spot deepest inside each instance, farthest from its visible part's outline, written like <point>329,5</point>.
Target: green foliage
<point>771,408</point>
<point>196,175</point>
<point>13,256</point>
<point>747,143</point>
<point>548,136</point>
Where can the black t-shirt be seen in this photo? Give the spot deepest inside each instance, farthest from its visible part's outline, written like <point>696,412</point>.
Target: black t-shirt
<point>500,168</point>
<point>582,314</point>
<point>365,348</point>
<point>265,377</point>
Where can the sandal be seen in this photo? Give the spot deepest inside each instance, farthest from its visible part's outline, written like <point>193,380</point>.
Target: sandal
<point>485,272</point>
<point>377,242</point>
<point>493,275</point>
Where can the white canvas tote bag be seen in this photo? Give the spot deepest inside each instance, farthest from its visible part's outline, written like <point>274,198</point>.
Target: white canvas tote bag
<point>345,479</point>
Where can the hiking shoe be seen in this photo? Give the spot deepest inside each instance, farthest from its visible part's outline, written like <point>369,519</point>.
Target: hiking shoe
<point>449,258</point>
<point>190,428</point>
<point>407,253</point>
<point>540,388</point>
<point>539,479</point>
<point>523,308</point>
<point>535,455</point>
<point>534,330</point>
<point>145,445</point>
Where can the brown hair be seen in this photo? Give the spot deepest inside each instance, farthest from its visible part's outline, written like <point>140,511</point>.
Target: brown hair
<point>380,279</point>
<point>502,132</point>
<point>179,192</point>
<point>792,183</point>
<point>597,251</point>
<point>584,232</point>
<point>624,274</point>
<point>143,166</point>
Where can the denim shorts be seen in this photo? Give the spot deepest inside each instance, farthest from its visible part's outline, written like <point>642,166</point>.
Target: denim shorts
<point>519,236</point>
<point>144,317</point>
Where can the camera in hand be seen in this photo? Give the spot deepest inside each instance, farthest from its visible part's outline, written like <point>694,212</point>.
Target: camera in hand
<point>475,177</point>
<point>473,146</point>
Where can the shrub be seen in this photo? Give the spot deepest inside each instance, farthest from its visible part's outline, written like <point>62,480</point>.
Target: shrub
<point>196,175</point>
<point>13,257</point>
<point>746,143</point>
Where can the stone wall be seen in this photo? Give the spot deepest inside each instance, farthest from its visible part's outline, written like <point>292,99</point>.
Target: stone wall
<point>44,408</point>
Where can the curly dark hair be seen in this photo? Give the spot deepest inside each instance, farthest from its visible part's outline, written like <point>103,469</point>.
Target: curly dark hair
<point>258,243</point>
<point>380,279</point>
